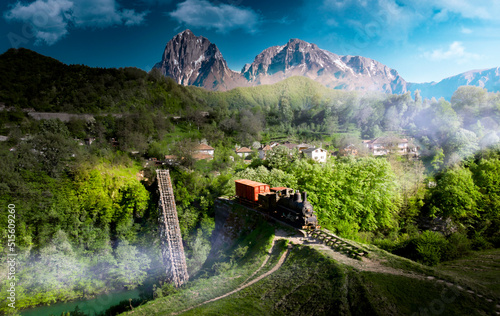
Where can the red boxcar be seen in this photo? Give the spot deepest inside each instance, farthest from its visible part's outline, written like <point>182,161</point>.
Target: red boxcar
<point>249,190</point>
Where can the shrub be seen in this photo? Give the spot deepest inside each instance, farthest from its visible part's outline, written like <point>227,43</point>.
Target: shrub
<point>430,247</point>
<point>480,243</point>
<point>239,253</point>
<point>221,267</point>
<point>458,246</point>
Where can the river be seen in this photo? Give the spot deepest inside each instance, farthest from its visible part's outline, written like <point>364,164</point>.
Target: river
<point>90,306</point>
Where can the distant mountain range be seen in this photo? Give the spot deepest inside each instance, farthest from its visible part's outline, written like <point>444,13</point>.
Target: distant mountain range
<point>194,60</point>
<point>486,78</point>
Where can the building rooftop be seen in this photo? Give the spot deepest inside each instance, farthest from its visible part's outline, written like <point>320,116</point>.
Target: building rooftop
<point>385,140</point>
<point>309,150</point>
<point>202,156</point>
<point>244,150</point>
<point>204,147</point>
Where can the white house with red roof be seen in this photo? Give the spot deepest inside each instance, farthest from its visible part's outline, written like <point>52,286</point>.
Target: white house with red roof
<point>243,152</point>
<point>205,149</point>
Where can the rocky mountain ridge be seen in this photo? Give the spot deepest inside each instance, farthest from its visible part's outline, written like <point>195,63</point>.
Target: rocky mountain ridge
<point>194,60</point>
<point>484,78</point>
<point>300,58</point>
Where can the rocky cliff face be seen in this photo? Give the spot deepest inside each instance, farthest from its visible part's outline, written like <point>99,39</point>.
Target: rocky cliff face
<point>192,60</point>
<point>299,58</point>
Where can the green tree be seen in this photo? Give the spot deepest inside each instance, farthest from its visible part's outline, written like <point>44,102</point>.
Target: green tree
<point>350,194</point>
<point>468,96</point>
<point>438,159</point>
<point>279,157</point>
<point>285,110</point>
<point>455,195</point>
<point>131,266</point>
<point>461,144</point>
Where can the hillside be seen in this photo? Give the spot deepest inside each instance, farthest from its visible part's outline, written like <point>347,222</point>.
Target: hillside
<point>30,80</point>
<point>302,92</point>
<point>259,275</point>
<point>86,197</point>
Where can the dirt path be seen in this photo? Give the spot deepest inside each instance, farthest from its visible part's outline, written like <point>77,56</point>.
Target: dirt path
<point>245,284</point>
<point>366,264</point>
<point>373,264</point>
<point>263,263</point>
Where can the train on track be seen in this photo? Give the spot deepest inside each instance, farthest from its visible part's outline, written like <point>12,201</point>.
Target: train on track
<point>279,202</point>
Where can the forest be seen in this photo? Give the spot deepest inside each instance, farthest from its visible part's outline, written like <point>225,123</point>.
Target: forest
<point>86,213</point>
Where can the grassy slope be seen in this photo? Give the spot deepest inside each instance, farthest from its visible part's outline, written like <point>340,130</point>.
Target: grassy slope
<point>299,90</point>
<point>310,283</point>
<point>480,268</point>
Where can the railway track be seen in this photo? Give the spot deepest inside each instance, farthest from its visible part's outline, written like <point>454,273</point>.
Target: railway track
<point>338,244</point>
<point>335,242</point>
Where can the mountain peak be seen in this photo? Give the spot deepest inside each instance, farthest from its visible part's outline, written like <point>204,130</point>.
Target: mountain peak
<point>297,41</point>
<point>194,60</point>
<point>186,32</point>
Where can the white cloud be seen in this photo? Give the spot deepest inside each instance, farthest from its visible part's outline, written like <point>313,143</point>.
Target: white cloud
<point>485,9</point>
<point>382,20</point>
<point>469,9</point>
<point>456,52</point>
<point>51,19</point>
<point>223,17</point>
<point>465,30</point>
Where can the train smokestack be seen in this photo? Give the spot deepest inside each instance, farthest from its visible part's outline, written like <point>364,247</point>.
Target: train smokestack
<point>305,196</point>
<point>298,197</point>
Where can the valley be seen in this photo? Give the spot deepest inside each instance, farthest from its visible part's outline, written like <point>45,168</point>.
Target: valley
<point>86,197</point>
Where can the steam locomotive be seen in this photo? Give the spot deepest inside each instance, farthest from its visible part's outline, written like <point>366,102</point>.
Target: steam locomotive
<point>279,202</point>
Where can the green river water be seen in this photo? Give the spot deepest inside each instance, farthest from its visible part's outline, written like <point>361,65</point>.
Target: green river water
<point>92,306</point>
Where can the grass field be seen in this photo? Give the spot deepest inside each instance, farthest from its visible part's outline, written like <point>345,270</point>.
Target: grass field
<point>481,268</point>
<point>312,283</point>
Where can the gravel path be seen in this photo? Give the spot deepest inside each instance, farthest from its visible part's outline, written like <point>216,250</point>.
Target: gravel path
<point>245,284</point>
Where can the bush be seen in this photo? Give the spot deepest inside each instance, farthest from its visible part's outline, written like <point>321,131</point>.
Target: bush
<point>430,247</point>
<point>221,267</point>
<point>458,246</point>
<point>239,253</point>
<point>480,243</point>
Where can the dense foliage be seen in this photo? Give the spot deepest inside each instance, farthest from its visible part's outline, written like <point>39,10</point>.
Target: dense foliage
<point>86,212</point>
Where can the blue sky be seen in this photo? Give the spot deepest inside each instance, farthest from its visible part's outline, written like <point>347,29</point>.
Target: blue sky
<point>423,40</point>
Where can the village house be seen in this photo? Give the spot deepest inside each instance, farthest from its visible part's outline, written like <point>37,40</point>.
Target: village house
<point>205,149</point>
<point>289,145</point>
<point>171,159</point>
<point>243,152</point>
<point>316,154</point>
<point>263,151</point>
<point>349,150</point>
<point>384,145</point>
<point>303,146</point>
